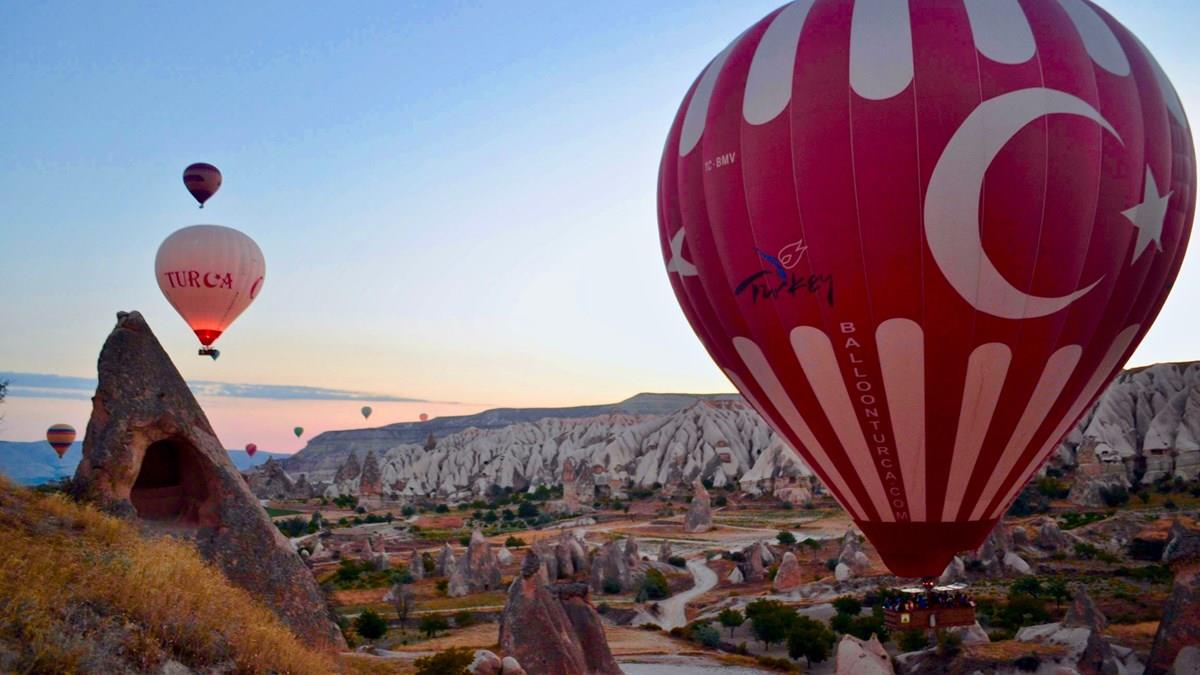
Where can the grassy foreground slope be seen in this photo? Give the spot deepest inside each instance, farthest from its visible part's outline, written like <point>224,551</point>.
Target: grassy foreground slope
<point>83,592</point>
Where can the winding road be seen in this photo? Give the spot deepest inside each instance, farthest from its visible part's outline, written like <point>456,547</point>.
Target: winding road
<point>672,611</point>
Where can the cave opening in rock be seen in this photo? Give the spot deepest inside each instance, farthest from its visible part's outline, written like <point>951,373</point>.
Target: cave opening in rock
<point>172,484</point>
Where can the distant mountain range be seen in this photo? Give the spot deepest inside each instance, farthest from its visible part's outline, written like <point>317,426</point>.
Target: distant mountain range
<point>34,462</point>
<point>326,451</point>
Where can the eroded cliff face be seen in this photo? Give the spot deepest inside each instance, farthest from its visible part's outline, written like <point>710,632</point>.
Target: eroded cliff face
<point>1145,427</point>
<point>722,441</point>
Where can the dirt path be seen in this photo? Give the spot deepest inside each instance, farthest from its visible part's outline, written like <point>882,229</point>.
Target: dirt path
<point>672,612</point>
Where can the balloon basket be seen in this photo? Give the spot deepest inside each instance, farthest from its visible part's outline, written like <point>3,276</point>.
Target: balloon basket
<point>210,352</point>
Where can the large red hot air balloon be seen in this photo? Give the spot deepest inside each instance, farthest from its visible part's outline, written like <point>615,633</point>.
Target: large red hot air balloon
<point>60,437</point>
<point>920,236</point>
<point>202,180</point>
<point>210,275</point>
<point>251,449</point>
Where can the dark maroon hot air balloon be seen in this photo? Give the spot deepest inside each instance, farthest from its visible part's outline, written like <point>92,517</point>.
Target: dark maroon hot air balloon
<point>920,236</point>
<point>202,180</point>
<point>251,449</point>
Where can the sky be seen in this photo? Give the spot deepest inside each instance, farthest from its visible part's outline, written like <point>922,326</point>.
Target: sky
<point>456,200</point>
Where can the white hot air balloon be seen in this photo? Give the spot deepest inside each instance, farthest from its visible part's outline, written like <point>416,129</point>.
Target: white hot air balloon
<point>210,275</point>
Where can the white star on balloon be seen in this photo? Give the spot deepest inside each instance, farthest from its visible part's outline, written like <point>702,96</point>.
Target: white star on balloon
<point>1148,217</point>
<point>677,263</point>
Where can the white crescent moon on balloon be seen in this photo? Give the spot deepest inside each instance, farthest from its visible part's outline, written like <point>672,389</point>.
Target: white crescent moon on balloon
<point>952,200</point>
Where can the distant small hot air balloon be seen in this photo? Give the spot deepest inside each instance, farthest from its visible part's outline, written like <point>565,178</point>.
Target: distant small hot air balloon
<point>424,417</point>
<point>60,437</point>
<point>210,274</point>
<point>202,180</point>
<point>366,411</point>
<point>251,449</point>
<point>299,431</point>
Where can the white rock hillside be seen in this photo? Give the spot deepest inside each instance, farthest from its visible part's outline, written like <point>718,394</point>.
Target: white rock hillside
<point>724,441</point>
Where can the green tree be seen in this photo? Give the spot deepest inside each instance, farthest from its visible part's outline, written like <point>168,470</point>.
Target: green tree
<point>514,542</point>
<point>948,644</point>
<point>809,639</point>
<point>464,618</point>
<point>453,661</point>
<point>528,510</point>
<point>1029,585</point>
<point>1056,589</point>
<point>441,508</point>
<point>370,625</point>
<point>408,511</point>
<point>785,538</point>
<point>431,625</point>
<point>770,621</point>
<point>402,602</point>
<point>731,619</point>
<point>847,604</point>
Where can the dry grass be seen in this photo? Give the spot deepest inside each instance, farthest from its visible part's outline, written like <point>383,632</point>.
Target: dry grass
<point>82,591</point>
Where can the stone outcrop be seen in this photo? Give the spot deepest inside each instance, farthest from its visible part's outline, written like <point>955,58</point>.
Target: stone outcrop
<point>1083,612</point>
<point>370,481</point>
<point>480,568</point>
<point>504,556</point>
<point>736,576</point>
<point>588,630</point>
<point>1081,633</point>
<point>445,560</point>
<point>488,663</point>
<point>543,636</point>
<point>789,576</point>
<point>150,454</point>
<point>579,486</point>
<point>1180,625</point>
<point>611,566</point>
<point>416,566</point>
<point>1050,536</point>
<point>997,557</point>
<point>699,513</point>
<point>852,561</point>
<point>862,657</point>
<point>270,481</point>
<point>664,550</point>
<point>753,570</point>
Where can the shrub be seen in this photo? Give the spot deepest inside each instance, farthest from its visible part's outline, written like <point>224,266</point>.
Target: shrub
<point>514,542</point>
<point>654,586</point>
<point>1023,610</point>
<point>1029,502</point>
<point>706,635</point>
<point>1029,585</point>
<point>432,624</point>
<point>408,511</point>
<point>809,639</point>
<point>611,586</point>
<point>677,561</point>
<point>770,621</point>
<point>441,508</point>
<point>292,527</point>
<point>370,625</point>
<point>785,538</point>
<point>464,618</point>
<point>1170,505</point>
<point>1114,496</point>
<point>720,500</point>
<point>831,564</point>
<point>1052,488</point>
<point>847,604</point>
<point>527,510</point>
<point>442,585</point>
<point>650,626</point>
<point>453,661</point>
<point>912,641</point>
<point>949,644</point>
<point>778,664</point>
<point>1085,551</point>
<point>863,627</point>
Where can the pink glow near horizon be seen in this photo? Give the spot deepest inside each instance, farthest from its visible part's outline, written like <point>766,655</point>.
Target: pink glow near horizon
<point>237,421</point>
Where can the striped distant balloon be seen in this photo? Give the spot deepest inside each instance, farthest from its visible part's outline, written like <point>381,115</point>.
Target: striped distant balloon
<point>202,180</point>
<point>60,437</point>
<point>921,235</point>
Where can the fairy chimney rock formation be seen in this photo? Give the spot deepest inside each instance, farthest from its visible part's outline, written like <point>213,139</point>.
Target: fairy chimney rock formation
<point>699,514</point>
<point>150,454</point>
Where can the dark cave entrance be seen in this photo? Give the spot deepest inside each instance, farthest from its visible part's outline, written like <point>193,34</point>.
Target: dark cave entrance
<point>172,484</point>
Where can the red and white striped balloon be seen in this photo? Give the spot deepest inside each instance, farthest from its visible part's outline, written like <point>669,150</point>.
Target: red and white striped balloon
<point>921,236</point>
<point>210,275</point>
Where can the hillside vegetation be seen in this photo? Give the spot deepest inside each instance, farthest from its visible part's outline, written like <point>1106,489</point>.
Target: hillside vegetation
<point>83,592</point>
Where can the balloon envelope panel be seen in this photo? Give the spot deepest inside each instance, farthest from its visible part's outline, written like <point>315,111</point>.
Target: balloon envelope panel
<point>920,237</point>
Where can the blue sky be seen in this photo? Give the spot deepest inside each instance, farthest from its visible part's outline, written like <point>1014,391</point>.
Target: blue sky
<point>455,199</point>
